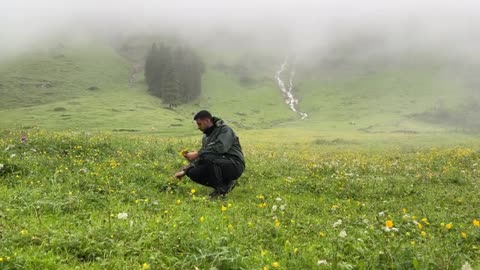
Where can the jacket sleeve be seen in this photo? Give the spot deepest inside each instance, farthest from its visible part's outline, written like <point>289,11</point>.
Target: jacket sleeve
<point>221,144</point>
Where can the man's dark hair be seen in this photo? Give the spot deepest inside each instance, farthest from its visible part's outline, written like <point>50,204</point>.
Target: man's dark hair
<point>202,115</point>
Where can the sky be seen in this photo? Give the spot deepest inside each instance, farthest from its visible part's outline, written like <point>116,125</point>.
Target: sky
<point>304,24</point>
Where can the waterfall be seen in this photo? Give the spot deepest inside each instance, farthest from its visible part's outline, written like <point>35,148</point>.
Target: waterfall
<point>290,100</point>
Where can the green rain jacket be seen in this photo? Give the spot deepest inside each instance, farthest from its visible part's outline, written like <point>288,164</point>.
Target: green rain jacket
<point>221,140</point>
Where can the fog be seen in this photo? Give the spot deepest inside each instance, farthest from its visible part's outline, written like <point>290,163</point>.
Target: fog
<point>300,26</point>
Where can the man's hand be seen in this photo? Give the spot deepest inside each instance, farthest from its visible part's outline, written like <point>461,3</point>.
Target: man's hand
<point>191,156</point>
<point>179,174</point>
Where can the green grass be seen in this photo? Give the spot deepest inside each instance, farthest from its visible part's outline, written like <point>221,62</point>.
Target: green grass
<point>61,195</point>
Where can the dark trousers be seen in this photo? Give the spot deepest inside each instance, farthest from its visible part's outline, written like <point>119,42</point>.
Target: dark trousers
<point>217,172</point>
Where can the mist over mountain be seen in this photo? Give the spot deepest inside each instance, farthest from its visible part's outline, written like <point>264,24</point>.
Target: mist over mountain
<point>300,27</point>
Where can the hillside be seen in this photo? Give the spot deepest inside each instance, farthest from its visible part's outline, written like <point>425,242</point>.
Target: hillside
<point>96,87</point>
<point>88,88</point>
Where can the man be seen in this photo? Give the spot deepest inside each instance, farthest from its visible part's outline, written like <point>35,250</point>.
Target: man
<point>220,161</point>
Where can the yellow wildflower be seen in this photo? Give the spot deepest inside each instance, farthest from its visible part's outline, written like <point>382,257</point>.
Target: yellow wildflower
<point>275,265</point>
<point>420,226</point>
<point>277,223</point>
<point>464,235</point>
<point>23,232</point>
<point>265,268</point>
<point>223,208</point>
<point>1,259</point>
<point>476,223</point>
<point>192,191</point>
<point>145,266</point>
<point>389,224</point>
<point>179,201</point>
<point>263,253</point>
<point>230,226</point>
<point>202,219</point>
<point>183,151</point>
<point>448,226</point>
<point>423,234</point>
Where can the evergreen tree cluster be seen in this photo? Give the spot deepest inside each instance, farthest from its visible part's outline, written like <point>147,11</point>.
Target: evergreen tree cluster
<point>174,74</point>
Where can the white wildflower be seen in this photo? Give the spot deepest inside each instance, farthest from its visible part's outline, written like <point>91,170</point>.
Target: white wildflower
<point>382,214</point>
<point>466,266</point>
<point>278,199</point>
<point>282,207</point>
<point>342,234</point>
<point>387,229</point>
<point>337,223</point>
<point>274,208</point>
<point>322,262</point>
<point>122,216</point>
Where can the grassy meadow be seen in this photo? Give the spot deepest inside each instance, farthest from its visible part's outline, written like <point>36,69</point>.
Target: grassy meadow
<point>107,201</point>
<point>360,184</point>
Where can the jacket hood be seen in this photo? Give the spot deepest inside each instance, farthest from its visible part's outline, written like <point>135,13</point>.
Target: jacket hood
<point>218,122</point>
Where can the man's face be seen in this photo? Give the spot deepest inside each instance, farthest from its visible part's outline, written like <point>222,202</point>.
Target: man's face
<point>203,124</point>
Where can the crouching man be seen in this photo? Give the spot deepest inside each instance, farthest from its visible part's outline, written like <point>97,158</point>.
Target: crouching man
<point>220,161</point>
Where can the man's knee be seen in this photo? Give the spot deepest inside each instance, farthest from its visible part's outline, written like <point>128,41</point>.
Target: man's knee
<point>197,174</point>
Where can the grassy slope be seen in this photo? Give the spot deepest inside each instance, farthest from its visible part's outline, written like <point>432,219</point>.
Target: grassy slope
<point>115,105</point>
<point>379,102</point>
<point>340,106</point>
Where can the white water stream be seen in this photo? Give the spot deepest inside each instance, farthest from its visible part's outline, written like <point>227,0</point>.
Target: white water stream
<point>291,101</point>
